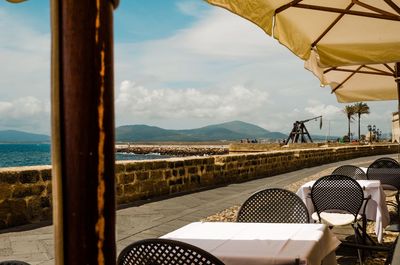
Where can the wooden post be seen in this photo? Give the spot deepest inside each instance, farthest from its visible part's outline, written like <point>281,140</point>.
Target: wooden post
<point>397,79</point>
<point>83,131</point>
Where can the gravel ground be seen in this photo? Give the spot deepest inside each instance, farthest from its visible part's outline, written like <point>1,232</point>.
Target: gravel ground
<point>229,215</point>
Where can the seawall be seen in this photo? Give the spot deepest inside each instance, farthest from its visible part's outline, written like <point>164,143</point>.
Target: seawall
<point>26,192</point>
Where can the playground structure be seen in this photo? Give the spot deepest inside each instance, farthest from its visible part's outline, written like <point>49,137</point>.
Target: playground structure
<point>300,133</point>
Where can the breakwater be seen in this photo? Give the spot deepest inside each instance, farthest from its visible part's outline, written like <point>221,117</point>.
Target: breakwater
<point>175,150</point>
<point>26,192</point>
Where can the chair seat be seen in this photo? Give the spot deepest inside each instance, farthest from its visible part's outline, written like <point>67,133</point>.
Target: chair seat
<point>334,218</point>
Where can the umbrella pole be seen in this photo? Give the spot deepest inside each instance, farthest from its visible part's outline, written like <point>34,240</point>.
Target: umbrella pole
<point>82,97</point>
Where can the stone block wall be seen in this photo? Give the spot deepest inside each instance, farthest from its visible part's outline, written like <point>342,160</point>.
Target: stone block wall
<point>25,193</point>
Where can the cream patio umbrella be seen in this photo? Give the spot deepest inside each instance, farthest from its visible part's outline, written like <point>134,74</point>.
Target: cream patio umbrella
<point>332,34</point>
<point>327,33</point>
<point>373,82</point>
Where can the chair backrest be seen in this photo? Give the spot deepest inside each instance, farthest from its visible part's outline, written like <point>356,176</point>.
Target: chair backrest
<point>388,159</point>
<point>13,262</point>
<point>159,251</point>
<point>386,170</point>
<point>273,205</point>
<point>337,193</point>
<point>350,171</point>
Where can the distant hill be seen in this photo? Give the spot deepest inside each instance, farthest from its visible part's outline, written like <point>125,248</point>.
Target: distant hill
<point>229,131</point>
<point>12,136</point>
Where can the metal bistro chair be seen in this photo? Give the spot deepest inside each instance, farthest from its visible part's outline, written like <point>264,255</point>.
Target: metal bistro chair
<point>387,170</point>
<point>350,171</point>
<point>338,200</point>
<point>159,251</point>
<point>388,159</point>
<point>273,205</point>
<point>13,262</point>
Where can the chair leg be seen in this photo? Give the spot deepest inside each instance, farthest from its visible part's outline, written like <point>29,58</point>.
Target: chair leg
<point>364,229</point>
<point>364,235</point>
<point>359,251</point>
<point>390,253</point>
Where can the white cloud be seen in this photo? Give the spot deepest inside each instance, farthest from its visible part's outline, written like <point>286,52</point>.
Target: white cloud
<point>317,108</point>
<point>24,76</point>
<point>25,113</point>
<point>205,52</point>
<point>226,36</point>
<point>190,8</point>
<point>214,105</point>
<point>25,59</point>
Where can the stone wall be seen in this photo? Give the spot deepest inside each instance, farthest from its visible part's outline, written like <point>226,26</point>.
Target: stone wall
<point>262,147</point>
<point>25,193</point>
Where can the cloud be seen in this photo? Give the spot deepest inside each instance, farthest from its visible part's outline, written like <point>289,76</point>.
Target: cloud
<point>226,36</point>
<point>25,75</point>
<point>206,52</point>
<point>190,8</point>
<point>327,111</point>
<point>230,68</point>
<point>26,113</point>
<point>25,57</point>
<point>214,105</point>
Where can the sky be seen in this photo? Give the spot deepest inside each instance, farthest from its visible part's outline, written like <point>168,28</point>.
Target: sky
<point>179,64</point>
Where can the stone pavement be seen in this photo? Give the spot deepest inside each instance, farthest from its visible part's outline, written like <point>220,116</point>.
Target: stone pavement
<point>157,217</point>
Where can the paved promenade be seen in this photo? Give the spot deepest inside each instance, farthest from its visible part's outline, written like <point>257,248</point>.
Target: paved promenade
<point>156,218</point>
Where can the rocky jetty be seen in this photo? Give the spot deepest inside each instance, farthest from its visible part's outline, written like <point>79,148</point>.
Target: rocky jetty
<point>176,150</point>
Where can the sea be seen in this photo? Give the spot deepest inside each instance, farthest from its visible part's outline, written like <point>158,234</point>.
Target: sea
<point>15,155</point>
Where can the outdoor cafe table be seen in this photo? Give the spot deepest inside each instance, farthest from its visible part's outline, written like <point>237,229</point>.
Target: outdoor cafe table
<point>376,208</point>
<point>261,243</point>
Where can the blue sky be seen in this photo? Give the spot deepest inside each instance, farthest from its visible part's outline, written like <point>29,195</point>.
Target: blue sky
<point>178,64</point>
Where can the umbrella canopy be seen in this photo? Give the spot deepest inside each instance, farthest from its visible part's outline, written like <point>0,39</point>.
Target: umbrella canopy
<point>364,83</point>
<point>328,33</point>
<point>334,34</point>
<point>361,82</point>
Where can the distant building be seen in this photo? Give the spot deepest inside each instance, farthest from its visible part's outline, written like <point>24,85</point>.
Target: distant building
<point>395,127</point>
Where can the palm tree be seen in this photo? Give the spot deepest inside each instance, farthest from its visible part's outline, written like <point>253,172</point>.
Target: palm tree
<point>349,111</point>
<point>360,108</point>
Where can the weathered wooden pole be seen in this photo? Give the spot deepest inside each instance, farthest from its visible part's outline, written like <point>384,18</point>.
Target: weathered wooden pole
<point>397,79</point>
<point>83,131</point>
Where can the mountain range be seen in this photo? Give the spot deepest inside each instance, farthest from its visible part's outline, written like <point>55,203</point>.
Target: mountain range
<point>12,136</point>
<point>228,131</point>
<point>234,130</point>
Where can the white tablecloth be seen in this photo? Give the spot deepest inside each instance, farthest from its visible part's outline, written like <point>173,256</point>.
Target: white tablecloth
<point>261,243</point>
<point>376,208</point>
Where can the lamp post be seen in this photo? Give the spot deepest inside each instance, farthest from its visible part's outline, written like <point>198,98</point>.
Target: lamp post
<point>370,136</point>
<point>374,132</point>
<point>379,133</point>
